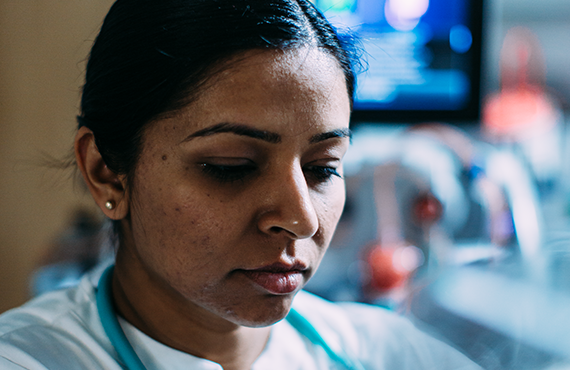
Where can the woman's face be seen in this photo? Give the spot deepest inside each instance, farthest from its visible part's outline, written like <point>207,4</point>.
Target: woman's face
<point>236,197</point>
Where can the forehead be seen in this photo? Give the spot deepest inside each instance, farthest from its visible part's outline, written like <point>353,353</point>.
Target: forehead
<point>307,72</point>
<point>274,90</point>
<point>301,65</point>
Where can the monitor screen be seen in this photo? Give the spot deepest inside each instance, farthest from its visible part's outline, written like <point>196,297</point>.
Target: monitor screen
<point>421,58</point>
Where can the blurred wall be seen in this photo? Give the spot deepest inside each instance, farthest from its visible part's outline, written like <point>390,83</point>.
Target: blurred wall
<point>42,48</point>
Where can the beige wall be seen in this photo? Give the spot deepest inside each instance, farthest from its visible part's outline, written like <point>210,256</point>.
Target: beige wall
<point>42,48</point>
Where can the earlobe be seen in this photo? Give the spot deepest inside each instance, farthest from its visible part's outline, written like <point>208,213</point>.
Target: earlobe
<point>106,187</point>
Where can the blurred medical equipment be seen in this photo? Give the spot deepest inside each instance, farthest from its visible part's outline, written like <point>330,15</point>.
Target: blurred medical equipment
<point>454,229</point>
<point>423,198</point>
<point>523,116</point>
<point>76,250</point>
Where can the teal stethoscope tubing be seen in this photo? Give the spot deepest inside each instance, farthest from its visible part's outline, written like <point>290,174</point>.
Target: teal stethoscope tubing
<point>111,323</point>
<point>131,359</point>
<point>303,325</point>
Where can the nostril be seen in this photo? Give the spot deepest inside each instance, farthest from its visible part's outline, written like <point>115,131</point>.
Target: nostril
<point>276,229</point>
<point>289,211</point>
<point>281,230</point>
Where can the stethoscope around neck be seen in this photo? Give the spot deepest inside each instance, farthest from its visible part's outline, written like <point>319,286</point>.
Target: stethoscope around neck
<point>132,361</point>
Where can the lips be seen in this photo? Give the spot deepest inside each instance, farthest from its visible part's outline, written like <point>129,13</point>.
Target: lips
<point>277,278</point>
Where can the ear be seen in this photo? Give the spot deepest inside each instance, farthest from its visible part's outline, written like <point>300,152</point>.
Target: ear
<point>104,185</point>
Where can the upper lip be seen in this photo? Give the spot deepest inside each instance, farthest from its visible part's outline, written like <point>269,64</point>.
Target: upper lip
<point>280,267</point>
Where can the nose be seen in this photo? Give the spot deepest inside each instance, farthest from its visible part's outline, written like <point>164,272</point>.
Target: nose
<point>289,208</point>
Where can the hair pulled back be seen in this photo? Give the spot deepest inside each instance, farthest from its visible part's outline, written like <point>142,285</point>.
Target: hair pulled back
<point>152,56</point>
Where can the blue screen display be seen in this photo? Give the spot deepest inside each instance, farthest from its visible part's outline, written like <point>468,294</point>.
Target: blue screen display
<point>418,55</point>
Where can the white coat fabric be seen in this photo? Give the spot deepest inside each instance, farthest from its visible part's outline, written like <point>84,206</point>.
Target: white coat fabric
<point>62,331</point>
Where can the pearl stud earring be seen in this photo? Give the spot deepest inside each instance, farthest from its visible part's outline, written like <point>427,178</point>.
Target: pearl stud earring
<point>110,205</point>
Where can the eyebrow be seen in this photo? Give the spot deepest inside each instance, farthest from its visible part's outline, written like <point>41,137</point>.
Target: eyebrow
<point>340,133</point>
<point>237,129</point>
<point>267,136</point>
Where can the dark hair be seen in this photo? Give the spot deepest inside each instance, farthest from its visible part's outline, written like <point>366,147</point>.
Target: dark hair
<point>152,57</point>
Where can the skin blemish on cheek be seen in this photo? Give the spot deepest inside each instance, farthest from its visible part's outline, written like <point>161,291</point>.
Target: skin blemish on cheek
<point>164,157</point>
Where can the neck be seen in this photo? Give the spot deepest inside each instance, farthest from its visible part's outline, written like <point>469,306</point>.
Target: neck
<point>164,315</point>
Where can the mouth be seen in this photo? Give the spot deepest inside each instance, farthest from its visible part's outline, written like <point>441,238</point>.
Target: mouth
<point>277,278</point>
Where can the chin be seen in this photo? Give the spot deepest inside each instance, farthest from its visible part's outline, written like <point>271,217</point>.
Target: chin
<point>263,315</point>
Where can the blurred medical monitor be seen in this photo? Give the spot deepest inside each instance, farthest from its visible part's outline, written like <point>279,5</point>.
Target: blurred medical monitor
<point>422,58</point>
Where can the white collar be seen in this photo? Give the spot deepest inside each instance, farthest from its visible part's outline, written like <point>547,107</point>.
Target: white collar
<point>286,349</point>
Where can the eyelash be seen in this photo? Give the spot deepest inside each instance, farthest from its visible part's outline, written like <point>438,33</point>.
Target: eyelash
<point>229,174</point>
<point>323,174</point>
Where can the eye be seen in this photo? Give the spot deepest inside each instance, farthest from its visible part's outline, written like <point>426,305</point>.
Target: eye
<point>226,173</point>
<point>321,174</point>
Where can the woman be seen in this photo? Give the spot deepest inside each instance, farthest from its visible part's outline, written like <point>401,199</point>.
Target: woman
<point>212,134</point>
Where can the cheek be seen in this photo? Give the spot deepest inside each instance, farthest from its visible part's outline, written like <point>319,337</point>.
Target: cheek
<point>184,227</point>
<point>169,224</point>
<point>332,204</point>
